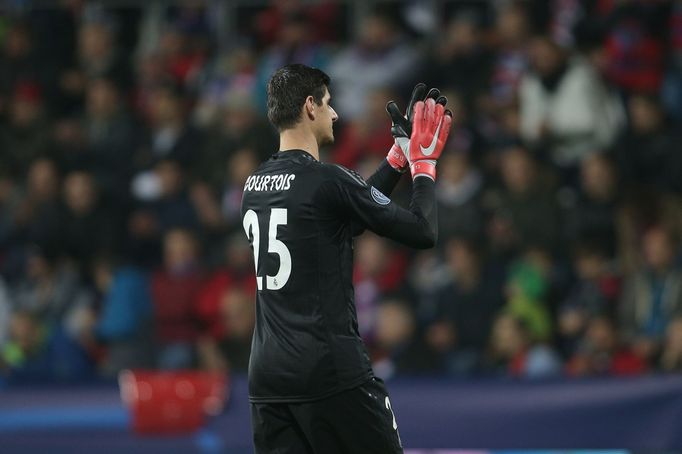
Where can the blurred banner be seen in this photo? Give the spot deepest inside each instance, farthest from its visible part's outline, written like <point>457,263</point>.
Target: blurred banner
<point>637,413</point>
<point>642,413</point>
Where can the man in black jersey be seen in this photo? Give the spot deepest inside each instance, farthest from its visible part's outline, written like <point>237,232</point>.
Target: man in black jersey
<point>311,385</point>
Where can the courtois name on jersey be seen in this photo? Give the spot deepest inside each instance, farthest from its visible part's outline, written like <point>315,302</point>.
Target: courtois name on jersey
<point>279,182</point>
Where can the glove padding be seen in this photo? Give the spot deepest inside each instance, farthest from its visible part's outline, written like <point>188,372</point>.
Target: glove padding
<point>401,126</point>
<point>430,129</point>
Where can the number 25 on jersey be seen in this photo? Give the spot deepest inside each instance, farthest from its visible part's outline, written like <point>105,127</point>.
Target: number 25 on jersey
<point>278,216</point>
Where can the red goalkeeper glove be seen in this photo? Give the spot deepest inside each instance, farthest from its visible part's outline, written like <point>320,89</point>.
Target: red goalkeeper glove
<point>430,129</point>
<point>401,126</point>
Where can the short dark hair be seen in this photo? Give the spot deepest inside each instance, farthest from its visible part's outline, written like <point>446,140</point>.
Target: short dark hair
<point>288,89</point>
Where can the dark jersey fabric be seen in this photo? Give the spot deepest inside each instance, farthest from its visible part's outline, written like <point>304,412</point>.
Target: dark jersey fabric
<point>304,214</point>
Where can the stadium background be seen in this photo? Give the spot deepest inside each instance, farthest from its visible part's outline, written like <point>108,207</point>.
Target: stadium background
<point>127,130</point>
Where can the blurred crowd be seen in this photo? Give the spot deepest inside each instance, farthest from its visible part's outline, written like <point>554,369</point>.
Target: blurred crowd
<point>126,135</point>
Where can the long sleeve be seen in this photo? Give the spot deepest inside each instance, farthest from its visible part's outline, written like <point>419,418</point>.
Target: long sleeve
<point>385,178</point>
<point>369,208</point>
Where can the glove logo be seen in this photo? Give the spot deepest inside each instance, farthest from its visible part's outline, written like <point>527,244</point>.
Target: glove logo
<point>432,147</point>
<point>379,197</point>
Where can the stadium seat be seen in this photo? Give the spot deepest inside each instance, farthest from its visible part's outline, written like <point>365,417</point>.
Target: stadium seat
<point>172,402</point>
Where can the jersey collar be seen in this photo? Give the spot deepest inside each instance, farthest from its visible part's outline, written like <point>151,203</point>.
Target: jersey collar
<point>293,153</point>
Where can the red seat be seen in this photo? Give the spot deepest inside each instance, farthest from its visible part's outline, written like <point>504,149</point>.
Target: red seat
<point>172,402</point>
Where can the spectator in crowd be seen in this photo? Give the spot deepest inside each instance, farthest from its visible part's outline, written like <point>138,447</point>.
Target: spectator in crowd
<point>149,74</point>
<point>495,114</point>
<point>84,226</point>
<point>525,211</point>
<point>323,18</point>
<point>231,72</point>
<point>638,212</point>
<point>565,21</point>
<point>18,61</point>
<point>511,31</point>
<point>368,136</point>
<point>467,138</point>
<point>595,292</point>
<point>363,66</point>
<point>397,347</point>
<point>601,352</point>
<point>166,204</point>
<point>635,44</point>
<point>671,356</point>
<point>54,293</point>
<point>218,209</point>
<point>183,49</point>
<point>207,207</point>
<point>9,199</point>
<point>514,353</point>
<point>647,153</point>
<point>671,92</point>
<point>169,136</point>
<point>458,192</point>
<point>459,60</point>
<point>566,111</point>
<point>652,296</point>
<point>294,44</point>
<point>38,355</point>
<point>234,272</point>
<point>241,164</point>
<point>466,307</point>
<point>237,127</point>
<point>230,114</point>
<point>527,290</point>
<point>173,207</point>
<point>98,54</point>
<point>379,270</point>
<point>5,312</point>
<point>25,137</point>
<point>591,216</point>
<point>175,288</point>
<point>110,139</point>
<point>125,321</point>
<point>231,350</point>
<point>238,311</point>
<point>34,215</point>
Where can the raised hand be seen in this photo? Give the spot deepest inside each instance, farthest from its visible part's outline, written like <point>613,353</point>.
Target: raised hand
<point>401,126</point>
<point>430,129</point>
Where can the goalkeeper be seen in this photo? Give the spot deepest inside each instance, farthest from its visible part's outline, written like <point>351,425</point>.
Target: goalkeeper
<point>311,384</point>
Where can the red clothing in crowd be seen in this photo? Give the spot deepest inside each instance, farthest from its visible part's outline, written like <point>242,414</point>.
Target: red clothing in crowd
<point>354,145</point>
<point>622,362</point>
<point>391,277</point>
<point>210,297</point>
<point>175,305</point>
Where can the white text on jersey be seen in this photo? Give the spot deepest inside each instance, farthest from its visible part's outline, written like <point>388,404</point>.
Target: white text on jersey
<point>279,182</point>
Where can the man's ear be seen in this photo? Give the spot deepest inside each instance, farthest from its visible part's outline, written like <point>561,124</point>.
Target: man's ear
<point>309,107</point>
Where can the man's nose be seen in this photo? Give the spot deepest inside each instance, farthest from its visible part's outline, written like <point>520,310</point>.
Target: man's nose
<point>335,116</point>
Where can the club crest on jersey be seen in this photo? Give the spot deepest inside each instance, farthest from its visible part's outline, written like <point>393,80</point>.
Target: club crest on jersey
<point>379,197</point>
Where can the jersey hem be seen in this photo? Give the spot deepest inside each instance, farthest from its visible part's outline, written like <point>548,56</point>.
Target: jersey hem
<point>299,399</point>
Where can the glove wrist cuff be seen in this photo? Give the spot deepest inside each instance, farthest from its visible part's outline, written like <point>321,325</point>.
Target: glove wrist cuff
<point>423,168</point>
<point>397,159</point>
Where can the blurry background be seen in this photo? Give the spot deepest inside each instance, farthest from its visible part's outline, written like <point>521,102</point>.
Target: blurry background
<point>127,130</point>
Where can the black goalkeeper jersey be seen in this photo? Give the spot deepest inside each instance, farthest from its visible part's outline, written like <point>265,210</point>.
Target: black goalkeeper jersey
<point>300,216</point>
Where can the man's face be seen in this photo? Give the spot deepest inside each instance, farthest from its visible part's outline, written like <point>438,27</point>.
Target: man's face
<point>327,116</point>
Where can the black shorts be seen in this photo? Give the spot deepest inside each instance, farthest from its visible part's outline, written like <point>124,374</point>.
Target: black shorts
<point>359,420</point>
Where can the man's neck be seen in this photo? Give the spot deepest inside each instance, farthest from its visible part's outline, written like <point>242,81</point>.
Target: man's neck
<point>299,139</point>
